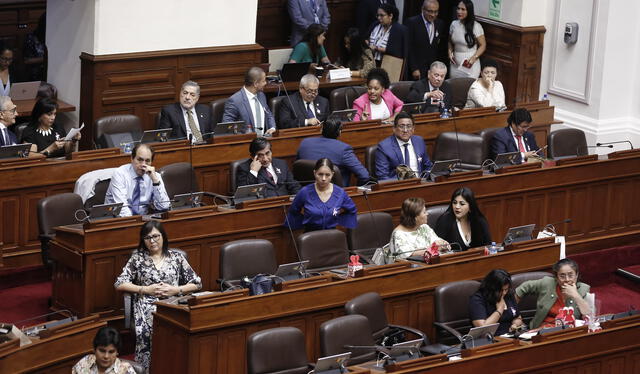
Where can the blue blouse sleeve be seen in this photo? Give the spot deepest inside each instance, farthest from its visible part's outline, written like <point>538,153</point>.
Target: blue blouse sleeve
<point>348,218</point>
<point>294,216</point>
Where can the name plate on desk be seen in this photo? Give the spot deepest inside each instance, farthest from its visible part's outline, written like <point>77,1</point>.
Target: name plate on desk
<point>94,153</point>
<point>459,175</point>
<point>370,122</point>
<point>298,131</point>
<point>339,74</point>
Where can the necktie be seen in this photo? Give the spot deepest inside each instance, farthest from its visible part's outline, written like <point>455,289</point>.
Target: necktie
<point>313,5</point>
<point>429,28</point>
<point>310,111</point>
<point>269,175</point>
<point>258,108</point>
<point>520,144</point>
<point>197,136</point>
<point>5,137</point>
<point>135,198</point>
<point>407,160</point>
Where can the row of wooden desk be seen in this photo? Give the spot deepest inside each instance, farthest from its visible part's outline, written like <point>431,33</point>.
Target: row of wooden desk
<point>601,197</point>
<point>27,181</point>
<point>210,335</point>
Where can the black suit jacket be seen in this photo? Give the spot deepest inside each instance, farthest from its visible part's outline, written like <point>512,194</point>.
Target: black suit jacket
<point>397,43</point>
<point>290,117</point>
<point>418,89</point>
<point>286,185</point>
<point>423,52</point>
<point>503,142</point>
<point>171,117</point>
<point>12,139</point>
<point>366,14</point>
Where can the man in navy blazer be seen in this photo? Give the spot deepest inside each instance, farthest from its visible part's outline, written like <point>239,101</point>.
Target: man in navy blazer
<point>515,137</point>
<point>305,12</point>
<point>340,153</point>
<point>427,39</point>
<point>305,107</point>
<point>263,168</point>
<point>395,150</point>
<point>249,104</point>
<point>8,112</point>
<point>176,116</point>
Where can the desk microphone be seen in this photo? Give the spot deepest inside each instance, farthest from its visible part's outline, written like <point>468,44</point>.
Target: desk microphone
<point>284,88</point>
<point>375,225</point>
<point>611,143</point>
<point>598,145</point>
<point>303,269</point>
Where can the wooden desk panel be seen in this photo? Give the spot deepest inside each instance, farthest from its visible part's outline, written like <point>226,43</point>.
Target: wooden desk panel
<point>212,337</point>
<point>26,106</point>
<point>53,355</point>
<point>21,189</point>
<point>600,196</point>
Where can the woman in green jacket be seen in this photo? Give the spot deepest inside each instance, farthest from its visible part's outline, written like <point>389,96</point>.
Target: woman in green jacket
<point>563,290</point>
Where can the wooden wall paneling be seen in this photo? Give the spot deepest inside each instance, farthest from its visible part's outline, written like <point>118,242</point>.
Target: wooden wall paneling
<point>578,210</point>
<point>141,83</point>
<point>616,204</point>
<point>493,208</point>
<point>105,268</point>
<point>10,227</point>
<point>232,346</point>
<point>535,207</point>
<point>634,363</point>
<point>633,197</point>
<point>598,205</point>
<point>205,356</point>
<point>29,204</point>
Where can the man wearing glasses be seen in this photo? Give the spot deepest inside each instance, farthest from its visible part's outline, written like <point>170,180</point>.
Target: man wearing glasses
<point>7,118</point>
<point>305,107</point>
<point>137,185</point>
<point>515,137</point>
<point>427,39</point>
<point>401,148</point>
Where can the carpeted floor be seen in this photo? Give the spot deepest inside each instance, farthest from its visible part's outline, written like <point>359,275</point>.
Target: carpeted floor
<point>19,303</point>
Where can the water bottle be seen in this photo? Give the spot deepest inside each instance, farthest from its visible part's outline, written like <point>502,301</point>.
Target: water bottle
<point>445,114</point>
<point>493,248</point>
<point>545,96</point>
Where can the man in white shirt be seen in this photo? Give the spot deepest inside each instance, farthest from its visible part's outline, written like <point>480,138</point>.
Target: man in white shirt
<point>187,119</point>
<point>249,104</point>
<point>137,185</point>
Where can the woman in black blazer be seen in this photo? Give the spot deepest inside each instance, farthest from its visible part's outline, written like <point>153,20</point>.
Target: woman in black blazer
<point>463,222</point>
<point>386,35</point>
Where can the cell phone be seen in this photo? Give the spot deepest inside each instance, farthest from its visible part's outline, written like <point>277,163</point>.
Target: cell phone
<point>466,64</point>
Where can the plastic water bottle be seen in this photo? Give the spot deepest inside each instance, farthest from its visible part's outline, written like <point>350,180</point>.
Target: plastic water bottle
<point>545,96</point>
<point>493,248</point>
<point>445,114</point>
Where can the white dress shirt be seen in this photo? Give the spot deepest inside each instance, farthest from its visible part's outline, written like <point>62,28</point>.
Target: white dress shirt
<point>186,121</point>
<point>123,182</point>
<point>515,139</point>
<point>252,104</point>
<point>270,169</point>
<point>413,160</point>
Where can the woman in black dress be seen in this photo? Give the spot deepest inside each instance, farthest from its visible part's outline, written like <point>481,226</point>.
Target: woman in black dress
<point>494,302</point>
<point>463,222</point>
<point>46,137</point>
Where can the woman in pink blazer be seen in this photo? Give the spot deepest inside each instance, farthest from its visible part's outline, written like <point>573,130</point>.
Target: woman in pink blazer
<point>378,102</point>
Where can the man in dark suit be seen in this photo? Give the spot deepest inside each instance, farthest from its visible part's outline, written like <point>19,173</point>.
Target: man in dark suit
<point>305,12</point>
<point>402,148</point>
<point>340,153</point>
<point>187,118</point>
<point>263,168</point>
<point>250,104</point>
<point>427,39</point>
<point>515,137</point>
<point>8,111</point>
<point>305,107</point>
<point>366,12</point>
<point>433,90</point>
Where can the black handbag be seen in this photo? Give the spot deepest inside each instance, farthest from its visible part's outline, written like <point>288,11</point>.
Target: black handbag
<point>258,285</point>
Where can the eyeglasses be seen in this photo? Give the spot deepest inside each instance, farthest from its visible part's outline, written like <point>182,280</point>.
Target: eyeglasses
<point>430,11</point>
<point>381,15</point>
<point>6,59</point>
<point>12,110</point>
<point>567,276</point>
<point>405,127</point>
<point>153,238</point>
<point>311,91</point>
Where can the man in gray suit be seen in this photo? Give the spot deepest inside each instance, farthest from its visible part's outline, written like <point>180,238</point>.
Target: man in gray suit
<point>305,12</point>
<point>249,104</point>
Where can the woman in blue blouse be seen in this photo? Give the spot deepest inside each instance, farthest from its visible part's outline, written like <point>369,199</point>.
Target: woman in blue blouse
<point>311,48</point>
<point>322,205</point>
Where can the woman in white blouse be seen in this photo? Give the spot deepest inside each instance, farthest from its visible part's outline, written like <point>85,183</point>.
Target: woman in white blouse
<point>466,42</point>
<point>413,236</point>
<point>486,91</point>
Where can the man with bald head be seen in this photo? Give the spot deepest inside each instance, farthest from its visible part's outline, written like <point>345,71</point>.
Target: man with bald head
<point>249,104</point>
<point>138,185</point>
<point>427,38</point>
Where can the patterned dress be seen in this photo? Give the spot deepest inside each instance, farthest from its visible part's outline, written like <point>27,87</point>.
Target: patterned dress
<point>403,243</point>
<point>87,365</point>
<point>141,271</point>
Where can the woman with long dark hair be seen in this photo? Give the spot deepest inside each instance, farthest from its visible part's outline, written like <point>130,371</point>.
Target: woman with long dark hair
<point>47,137</point>
<point>322,205</point>
<point>355,54</point>
<point>466,42</point>
<point>494,302</point>
<point>311,48</point>
<point>463,222</point>
<point>154,272</point>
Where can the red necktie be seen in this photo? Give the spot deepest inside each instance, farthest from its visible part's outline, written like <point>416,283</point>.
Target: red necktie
<point>520,144</point>
<point>269,175</point>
